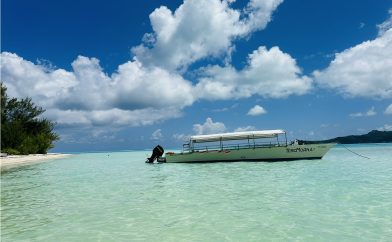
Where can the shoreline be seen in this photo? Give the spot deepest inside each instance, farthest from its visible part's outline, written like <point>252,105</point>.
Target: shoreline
<point>12,161</point>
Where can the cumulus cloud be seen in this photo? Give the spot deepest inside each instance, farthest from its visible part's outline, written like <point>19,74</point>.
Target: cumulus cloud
<point>246,128</point>
<point>388,110</point>
<point>386,25</point>
<point>151,87</point>
<point>269,73</point>
<point>136,86</point>
<point>138,95</point>
<point>364,70</point>
<point>209,127</point>
<point>386,127</point>
<point>115,117</point>
<point>132,96</point>
<point>181,137</point>
<point>370,112</point>
<point>150,83</point>
<point>157,135</point>
<point>259,13</point>
<point>198,29</point>
<point>256,111</point>
<point>23,78</point>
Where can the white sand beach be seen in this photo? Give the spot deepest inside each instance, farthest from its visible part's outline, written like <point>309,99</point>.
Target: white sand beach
<point>21,160</point>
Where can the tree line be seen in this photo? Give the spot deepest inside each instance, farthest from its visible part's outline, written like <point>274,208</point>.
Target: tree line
<point>23,131</point>
<point>374,136</point>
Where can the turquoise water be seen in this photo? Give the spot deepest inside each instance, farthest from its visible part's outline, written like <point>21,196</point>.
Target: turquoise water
<point>117,197</point>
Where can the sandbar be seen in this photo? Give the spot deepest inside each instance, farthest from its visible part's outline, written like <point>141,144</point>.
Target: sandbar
<point>11,161</point>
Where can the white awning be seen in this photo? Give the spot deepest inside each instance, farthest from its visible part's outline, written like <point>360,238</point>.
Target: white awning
<point>237,136</point>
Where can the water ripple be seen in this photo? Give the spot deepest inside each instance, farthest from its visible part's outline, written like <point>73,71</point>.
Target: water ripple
<point>96,197</point>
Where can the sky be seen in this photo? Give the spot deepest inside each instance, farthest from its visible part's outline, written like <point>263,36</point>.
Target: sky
<point>125,75</point>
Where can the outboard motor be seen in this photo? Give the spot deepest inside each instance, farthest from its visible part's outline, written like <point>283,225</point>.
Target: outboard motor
<point>157,153</point>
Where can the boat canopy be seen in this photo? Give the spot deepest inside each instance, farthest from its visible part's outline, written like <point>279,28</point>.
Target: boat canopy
<point>236,136</point>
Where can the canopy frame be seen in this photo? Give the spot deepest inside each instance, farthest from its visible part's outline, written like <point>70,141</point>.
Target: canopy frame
<point>236,136</point>
<point>247,135</point>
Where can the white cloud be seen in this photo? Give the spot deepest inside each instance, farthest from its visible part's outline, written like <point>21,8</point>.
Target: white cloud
<point>386,25</point>
<point>269,73</point>
<point>388,110</point>
<point>181,137</point>
<point>259,13</point>
<point>364,70</point>
<point>157,135</point>
<point>256,111</point>
<point>150,88</point>
<point>209,127</point>
<point>221,110</point>
<point>235,105</point>
<point>243,129</point>
<point>136,86</point>
<point>199,29</point>
<point>137,95</point>
<point>114,117</point>
<point>24,78</point>
<point>370,112</point>
<point>134,95</point>
<point>386,127</point>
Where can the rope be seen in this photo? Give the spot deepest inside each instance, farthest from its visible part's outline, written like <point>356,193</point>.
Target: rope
<point>355,152</point>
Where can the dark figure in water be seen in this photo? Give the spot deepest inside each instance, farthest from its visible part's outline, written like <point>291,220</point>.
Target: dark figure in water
<point>156,153</point>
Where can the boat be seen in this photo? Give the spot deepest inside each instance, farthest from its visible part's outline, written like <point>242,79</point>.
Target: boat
<point>262,145</point>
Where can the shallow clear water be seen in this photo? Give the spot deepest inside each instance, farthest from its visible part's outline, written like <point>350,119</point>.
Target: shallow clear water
<point>117,197</point>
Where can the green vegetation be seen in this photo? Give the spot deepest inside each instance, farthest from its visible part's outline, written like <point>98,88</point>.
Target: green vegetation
<point>373,136</point>
<point>22,130</point>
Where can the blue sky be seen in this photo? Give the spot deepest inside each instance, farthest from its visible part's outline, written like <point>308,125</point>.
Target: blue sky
<point>119,75</point>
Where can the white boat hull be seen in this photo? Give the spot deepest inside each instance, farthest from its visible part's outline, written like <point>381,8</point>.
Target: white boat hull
<point>272,153</point>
